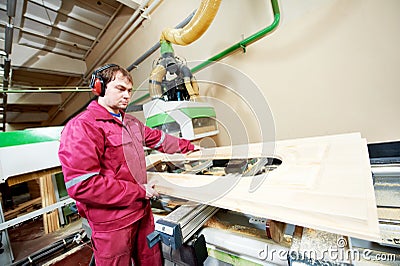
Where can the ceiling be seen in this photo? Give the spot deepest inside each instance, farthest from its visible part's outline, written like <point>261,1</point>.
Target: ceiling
<point>64,33</point>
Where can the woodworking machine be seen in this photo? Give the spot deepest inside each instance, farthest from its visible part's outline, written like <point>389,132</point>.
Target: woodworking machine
<point>238,238</point>
<point>176,107</point>
<point>186,119</point>
<point>191,233</point>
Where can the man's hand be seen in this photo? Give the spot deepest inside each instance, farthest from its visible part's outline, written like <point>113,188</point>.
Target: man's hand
<point>151,193</point>
<point>197,147</point>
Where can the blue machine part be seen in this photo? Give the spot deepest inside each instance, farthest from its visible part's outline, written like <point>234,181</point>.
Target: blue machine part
<point>167,232</point>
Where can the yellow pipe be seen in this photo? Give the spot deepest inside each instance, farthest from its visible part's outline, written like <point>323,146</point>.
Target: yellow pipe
<point>195,86</point>
<point>156,77</point>
<point>189,87</point>
<point>192,87</point>
<point>197,26</point>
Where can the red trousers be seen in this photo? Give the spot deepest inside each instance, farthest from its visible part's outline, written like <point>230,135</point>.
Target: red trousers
<point>127,245</point>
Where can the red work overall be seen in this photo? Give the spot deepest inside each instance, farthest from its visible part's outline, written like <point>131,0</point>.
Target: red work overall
<point>104,168</point>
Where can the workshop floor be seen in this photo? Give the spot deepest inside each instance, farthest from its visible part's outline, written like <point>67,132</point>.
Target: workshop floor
<point>30,237</point>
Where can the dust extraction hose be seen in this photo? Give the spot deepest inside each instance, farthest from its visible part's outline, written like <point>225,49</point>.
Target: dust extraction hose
<point>197,26</point>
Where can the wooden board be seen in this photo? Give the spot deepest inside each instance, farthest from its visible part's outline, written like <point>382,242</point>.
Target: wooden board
<point>22,209</point>
<point>18,179</point>
<point>323,183</point>
<point>50,220</point>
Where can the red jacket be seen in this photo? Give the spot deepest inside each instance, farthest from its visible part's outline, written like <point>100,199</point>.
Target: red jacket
<point>104,166</point>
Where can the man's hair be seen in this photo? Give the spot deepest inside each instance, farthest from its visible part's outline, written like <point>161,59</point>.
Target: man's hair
<point>110,73</point>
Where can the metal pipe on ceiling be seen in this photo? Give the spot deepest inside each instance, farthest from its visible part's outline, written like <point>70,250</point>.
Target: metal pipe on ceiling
<point>103,30</point>
<point>9,32</point>
<point>122,35</point>
<point>7,67</point>
<point>11,4</point>
<point>6,80</point>
<point>156,46</point>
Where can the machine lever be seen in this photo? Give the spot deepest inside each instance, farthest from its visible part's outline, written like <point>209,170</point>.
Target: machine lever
<point>153,239</point>
<point>167,232</point>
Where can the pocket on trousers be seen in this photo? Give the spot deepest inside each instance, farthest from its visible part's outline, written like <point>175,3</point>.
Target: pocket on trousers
<point>112,244</point>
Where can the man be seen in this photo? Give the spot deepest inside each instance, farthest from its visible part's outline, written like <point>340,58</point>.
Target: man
<point>103,161</point>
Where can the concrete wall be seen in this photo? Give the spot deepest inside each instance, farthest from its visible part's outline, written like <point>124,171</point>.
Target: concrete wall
<point>330,67</point>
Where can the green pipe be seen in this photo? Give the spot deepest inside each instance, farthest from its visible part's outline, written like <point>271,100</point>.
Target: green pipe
<point>245,42</point>
<point>240,45</point>
<point>166,47</point>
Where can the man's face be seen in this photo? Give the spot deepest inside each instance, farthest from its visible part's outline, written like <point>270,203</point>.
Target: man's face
<point>118,93</point>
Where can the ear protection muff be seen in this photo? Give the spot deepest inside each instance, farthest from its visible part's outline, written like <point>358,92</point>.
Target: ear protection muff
<point>97,83</point>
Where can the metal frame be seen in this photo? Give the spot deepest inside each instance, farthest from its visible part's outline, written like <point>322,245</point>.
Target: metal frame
<point>6,245</point>
<point>26,217</point>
